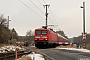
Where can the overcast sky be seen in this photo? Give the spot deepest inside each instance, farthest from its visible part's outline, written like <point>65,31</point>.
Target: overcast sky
<point>67,15</point>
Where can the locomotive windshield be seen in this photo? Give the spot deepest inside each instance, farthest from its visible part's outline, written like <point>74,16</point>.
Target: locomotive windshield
<point>44,32</point>
<point>38,31</point>
<point>41,31</point>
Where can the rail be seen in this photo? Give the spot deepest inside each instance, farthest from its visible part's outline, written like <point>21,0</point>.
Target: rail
<point>11,55</point>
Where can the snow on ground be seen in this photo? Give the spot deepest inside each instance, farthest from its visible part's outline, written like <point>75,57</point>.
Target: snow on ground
<point>32,57</point>
<point>36,56</point>
<point>5,49</point>
<point>76,49</point>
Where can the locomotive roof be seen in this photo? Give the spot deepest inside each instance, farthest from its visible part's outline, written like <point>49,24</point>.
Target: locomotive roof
<point>42,29</point>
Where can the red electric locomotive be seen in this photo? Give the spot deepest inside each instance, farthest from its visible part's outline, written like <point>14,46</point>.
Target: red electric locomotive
<point>47,38</point>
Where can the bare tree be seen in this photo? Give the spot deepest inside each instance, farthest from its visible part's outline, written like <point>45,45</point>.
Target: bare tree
<point>29,33</point>
<point>4,31</point>
<point>3,21</point>
<point>29,37</point>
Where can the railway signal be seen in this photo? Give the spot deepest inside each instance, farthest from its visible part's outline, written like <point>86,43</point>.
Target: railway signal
<point>84,36</point>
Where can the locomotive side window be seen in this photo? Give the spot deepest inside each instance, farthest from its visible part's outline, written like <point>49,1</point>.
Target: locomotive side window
<point>41,31</point>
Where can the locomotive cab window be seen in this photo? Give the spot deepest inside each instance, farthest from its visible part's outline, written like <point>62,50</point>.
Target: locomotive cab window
<point>38,31</point>
<point>44,31</point>
<point>41,31</point>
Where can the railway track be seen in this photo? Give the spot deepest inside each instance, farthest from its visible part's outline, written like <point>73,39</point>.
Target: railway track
<point>12,55</point>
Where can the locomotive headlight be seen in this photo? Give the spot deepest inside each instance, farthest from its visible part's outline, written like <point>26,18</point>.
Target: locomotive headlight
<point>44,36</point>
<point>37,36</point>
<point>35,39</point>
<point>45,39</point>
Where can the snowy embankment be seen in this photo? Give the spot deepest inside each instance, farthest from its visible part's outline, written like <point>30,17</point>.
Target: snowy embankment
<point>82,50</point>
<point>31,56</point>
<point>10,48</point>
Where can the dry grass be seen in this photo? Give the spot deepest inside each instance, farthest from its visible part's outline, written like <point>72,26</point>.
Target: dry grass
<point>1,45</point>
<point>88,46</point>
<point>74,46</point>
<point>67,46</point>
<point>25,58</point>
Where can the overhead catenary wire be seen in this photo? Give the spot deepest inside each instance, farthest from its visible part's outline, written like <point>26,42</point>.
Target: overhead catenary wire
<point>40,3</point>
<point>44,2</point>
<point>52,15</point>
<point>54,18</point>
<point>51,19</point>
<point>39,9</point>
<point>30,9</point>
<point>36,6</point>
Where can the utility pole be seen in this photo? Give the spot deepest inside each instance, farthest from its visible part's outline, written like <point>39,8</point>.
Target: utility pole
<point>84,33</point>
<point>8,22</point>
<point>46,13</point>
